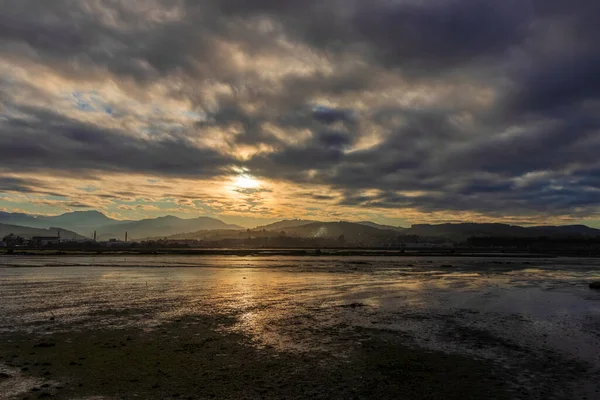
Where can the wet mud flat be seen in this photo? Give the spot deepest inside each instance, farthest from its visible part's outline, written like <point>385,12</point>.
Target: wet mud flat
<point>292,329</point>
<point>194,358</point>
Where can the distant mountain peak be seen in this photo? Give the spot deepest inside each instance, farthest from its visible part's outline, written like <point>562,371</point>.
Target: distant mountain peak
<point>164,226</point>
<point>287,223</point>
<point>165,217</point>
<point>88,213</point>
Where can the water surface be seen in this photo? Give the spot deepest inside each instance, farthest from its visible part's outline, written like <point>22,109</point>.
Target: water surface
<point>507,310</point>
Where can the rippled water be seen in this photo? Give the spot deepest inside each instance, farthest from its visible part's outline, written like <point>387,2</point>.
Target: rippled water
<point>485,307</point>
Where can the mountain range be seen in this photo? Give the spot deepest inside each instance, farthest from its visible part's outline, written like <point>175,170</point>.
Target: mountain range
<point>83,220</point>
<point>163,226</point>
<point>292,223</point>
<point>466,230</point>
<point>81,224</point>
<point>85,223</point>
<point>347,232</point>
<point>370,234</point>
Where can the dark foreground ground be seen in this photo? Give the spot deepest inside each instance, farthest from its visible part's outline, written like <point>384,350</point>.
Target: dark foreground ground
<point>298,328</point>
<point>191,359</point>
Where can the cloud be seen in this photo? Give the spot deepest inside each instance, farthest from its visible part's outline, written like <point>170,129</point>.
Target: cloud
<point>330,116</point>
<point>39,139</point>
<point>79,205</point>
<point>407,107</point>
<point>436,35</point>
<point>9,184</point>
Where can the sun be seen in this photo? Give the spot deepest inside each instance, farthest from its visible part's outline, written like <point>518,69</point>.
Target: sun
<point>245,181</point>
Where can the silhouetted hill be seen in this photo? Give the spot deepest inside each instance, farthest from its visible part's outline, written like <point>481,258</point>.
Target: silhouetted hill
<point>365,232</point>
<point>28,232</point>
<point>82,222</point>
<point>292,223</point>
<point>371,234</point>
<point>379,226</point>
<point>565,230</point>
<point>86,222</point>
<point>22,220</point>
<point>285,224</point>
<point>353,233</point>
<point>88,219</point>
<point>326,233</point>
<point>163,227</point>
<point>467,230</point>
<point>215,234</point>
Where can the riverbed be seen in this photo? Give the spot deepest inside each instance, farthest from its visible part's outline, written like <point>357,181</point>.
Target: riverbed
<point>372,327</point>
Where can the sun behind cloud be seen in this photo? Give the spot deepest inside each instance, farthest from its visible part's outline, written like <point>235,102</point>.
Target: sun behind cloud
<point>245,181</point>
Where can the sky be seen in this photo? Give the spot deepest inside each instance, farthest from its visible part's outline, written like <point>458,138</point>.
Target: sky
<point>395,111</point>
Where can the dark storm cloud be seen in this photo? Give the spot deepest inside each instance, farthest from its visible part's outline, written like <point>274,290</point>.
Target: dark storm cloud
<point>44,141</point>
<point>428,34</point>
<point>530,143</point>
<point>321,197</point>
<point>557,73</point>
<point>425,155</point>
<point>76,204</point>
<point>252,125</point>
<point>558,84</point>
<point>330,116</point>
<point>8,184</point>
<point>116,36</point>
<point>552,145</point>
<point>404,156</point>
<point>573,201</point>
<point>53,37</point>
<point>332,139</point>
<point>440,34</point>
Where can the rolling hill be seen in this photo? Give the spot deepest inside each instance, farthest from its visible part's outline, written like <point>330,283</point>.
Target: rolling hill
<point>162,227</point>
<point>379,226</point>
<point>87,219</point>
<point>22,220</point>
<point>28,232</point>
<point>285,224</point>
<point>86,222</point>
<point>566,230</point>
<point>459,232</point>
<point>352,233</point>
<point>369,233</point>
<point>82,222</point>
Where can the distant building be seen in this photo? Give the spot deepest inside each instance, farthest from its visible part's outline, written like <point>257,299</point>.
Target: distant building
<point>2,244</point>
<point>45,240</point>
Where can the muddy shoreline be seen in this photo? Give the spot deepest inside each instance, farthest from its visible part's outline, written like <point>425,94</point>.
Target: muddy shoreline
<point>342,252</point>
<point>300,329</point>
<point>194,359</point>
